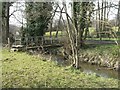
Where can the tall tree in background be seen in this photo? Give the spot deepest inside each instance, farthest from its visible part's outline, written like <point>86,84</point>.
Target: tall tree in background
<point>89,10</point>
<point>5,21</point>
<point>4,40</point>
<point>5,12</point>
<point>82,12</point>
<point>38,15</point>
<point>0,22</point>
<point>99,25</point>
<point>119,16</point>
<point>80,23</point>
<point>82,20</point>
<point>101,20</point>
<point>104,23</point>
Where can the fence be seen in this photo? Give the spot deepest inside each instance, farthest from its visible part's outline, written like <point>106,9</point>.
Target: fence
<point>38,40</point>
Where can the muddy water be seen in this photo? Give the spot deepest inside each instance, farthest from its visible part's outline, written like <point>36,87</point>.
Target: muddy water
<point>86,67</point>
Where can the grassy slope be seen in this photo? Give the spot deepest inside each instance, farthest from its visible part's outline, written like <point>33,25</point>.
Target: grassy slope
<point>109,49</point>
<point>23,70</point>
<point>109,53</point>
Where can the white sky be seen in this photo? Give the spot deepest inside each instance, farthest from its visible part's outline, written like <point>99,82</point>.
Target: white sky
<point>20,14</point>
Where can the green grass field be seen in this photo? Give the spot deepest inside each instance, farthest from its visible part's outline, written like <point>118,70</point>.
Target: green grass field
<point>92,33</point>
<point>20,70</point>
<point>53,33</point>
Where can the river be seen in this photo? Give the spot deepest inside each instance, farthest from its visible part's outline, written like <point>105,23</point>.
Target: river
<point>86,67</point>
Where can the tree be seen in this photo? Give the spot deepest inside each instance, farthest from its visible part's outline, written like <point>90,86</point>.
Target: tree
<point>0,21</point>
<point>38,15</point>
<point>5,20</point>
<point>97,26</point>
<point>76,27</point>
<point>119,16</point>
<point>99,19</point>
<point>82,12</point>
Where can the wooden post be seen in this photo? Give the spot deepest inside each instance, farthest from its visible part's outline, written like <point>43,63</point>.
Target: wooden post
<point>15,40</point>
<point>50,40</point>
<point>9,46</point>
<point>42,40</point>
<point>26,42</point>
<point>20,43</point>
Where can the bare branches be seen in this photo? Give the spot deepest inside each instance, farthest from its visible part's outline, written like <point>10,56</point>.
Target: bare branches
<point>18,20</point>
<point>108,6</point>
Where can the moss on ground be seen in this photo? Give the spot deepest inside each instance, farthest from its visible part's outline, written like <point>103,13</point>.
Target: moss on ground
<point>20,70</point>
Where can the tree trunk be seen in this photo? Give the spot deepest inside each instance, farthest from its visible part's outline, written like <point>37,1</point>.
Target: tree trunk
<point>97,24</point>
<point>119,17</point>
<point>0,23</point>
<point>108,10</point>
<point>82,22</point>
<point>75,15</point>
<point>88,24</point>
<point>4,41</point>
<point>102,22</point>
<point>50,31</point>
<point>73,38</point>
<point>7,20</point>
<point>104,16</point>
<point>99,19</point>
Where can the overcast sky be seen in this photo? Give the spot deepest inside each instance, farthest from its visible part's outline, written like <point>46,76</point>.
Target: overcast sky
<point>18,16</point>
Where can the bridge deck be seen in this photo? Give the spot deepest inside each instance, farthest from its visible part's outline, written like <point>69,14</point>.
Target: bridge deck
<point>44,46</point>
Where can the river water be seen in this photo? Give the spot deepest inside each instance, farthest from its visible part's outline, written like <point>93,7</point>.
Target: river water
<point>86,67</point>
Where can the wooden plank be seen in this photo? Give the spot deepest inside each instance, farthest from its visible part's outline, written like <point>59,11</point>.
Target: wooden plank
<point>45,46</point>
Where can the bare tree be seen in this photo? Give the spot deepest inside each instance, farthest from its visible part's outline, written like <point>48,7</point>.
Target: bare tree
<point>7,19</point>
<point>0,22</point>
<point>74,38</point>
<point>99,26</point>
<point>104,24</point>
<point>119,16</point>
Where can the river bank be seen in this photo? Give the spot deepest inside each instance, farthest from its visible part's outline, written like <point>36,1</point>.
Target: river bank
<point>21,70</point>
<point>102,55</point>
<point>102,60</point>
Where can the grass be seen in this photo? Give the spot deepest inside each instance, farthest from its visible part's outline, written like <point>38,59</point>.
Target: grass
<point>91,30</point>
<point>20,70</point>
<point>113,39</point>
<point>53,33</point>
<point>109,49</point>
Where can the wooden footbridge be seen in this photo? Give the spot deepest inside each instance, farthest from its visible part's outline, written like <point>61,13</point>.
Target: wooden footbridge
<point>37,42</point>
<point>41,42</point>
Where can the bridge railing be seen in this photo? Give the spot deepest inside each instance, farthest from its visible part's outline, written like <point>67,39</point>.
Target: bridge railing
<point>38,40</point>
